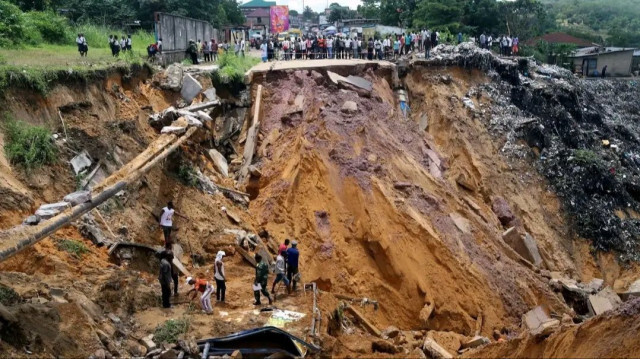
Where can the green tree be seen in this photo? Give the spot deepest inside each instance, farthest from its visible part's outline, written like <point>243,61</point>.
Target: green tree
<point>339,13</point>
<point>524,18</point>
<point>293,13</point>
<point>482,16</point>
<point>439,14</point>
<point>309,14</point>
<point>370,9</point>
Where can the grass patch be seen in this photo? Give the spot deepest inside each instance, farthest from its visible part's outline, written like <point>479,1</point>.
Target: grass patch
<point>187,175</point>
<point>170,331</point>
<point>232,69</point>
<point>75,248</point>
<point>29,146</point>
<point>8,296</point>
<point>586,157</point>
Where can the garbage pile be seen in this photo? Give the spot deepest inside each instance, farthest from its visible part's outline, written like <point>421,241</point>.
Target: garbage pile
<point>582,134</point>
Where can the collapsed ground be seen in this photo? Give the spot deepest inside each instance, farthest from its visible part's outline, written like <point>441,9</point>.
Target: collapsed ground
<point>409,212</point>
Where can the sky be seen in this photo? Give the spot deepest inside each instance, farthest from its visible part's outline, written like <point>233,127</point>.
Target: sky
<point>316,5</point>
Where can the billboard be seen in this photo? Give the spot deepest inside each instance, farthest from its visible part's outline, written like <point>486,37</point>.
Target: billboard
<point>279,18</point>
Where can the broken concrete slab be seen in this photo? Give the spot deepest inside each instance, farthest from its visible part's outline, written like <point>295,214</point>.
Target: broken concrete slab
<point>219,161</point>
<point>423,122</point>
<point>605,300</point>
<point>148,342</point>
<point>349,107</point>
<point>32,220</point>
<point>80,162</point>
<point>190,88</point>
<point>210,94</point>
<point>594,285</point>
<point>78,197</point>
<point>434,349</point>
<point>174,129</point>
<point>475,342</point>
<point>462,223</point>
<point>47,211</point>
<point>539,322</point>
<point>524,245</point>
<point>359,82</point>
<point>172,79</point>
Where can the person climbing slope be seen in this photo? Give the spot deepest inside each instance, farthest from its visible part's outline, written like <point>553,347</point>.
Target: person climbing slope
<point>280,275</point>
<point>204,287</point>
<point>166,222</point>
<point>292,264</point>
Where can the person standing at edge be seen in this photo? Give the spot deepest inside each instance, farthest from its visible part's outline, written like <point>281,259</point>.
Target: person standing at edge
<point>166,222</point>
<point>260,283</point>
<point>220,277</point>
<point>293,256</point>
<point>165,277</point>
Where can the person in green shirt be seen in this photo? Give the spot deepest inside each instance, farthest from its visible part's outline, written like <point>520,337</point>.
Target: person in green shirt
<point>262,274</point>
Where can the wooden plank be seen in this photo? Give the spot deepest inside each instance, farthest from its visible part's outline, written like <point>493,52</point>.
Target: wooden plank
<point>367,324</point>
<point>252,137</point>
<point>246,255</point>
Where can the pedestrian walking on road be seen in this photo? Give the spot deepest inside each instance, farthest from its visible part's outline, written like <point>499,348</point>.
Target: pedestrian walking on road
<point>293,256</point>
<point>204,287</point>
<point>165,277</point>
<point>220,277</point>
<point>260,282</point>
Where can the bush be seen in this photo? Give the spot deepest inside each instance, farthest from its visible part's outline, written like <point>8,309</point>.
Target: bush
<point>75,248</point>
<point>170,331</point>
<point>8,296</point>
<point>11,25</point>
<point>187,175</point>
<point>51,27</point>
<point>232,69</point>
<point>29,146</point>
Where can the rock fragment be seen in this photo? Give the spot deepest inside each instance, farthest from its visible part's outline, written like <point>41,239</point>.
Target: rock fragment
<point>190,88</point>
<point>349,107</point>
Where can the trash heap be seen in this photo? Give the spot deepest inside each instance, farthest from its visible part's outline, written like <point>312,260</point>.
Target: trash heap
<point>581,134</point>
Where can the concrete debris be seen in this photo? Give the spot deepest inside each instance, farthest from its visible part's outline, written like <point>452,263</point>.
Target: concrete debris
<point>32,220</point>
<point>434,350</point>
<point>203,116</point>
<point>603,301</point>
<point>148,342</point>
<point>169,354</point>
<point>417,353</point>
<point>462,223</point>
<point>423,123</point>
<point>232,216</point>
<point>469,103</point>
<point>57,295</point>
<point>47,211</point>
<point>172,79</point>
<point>539,322</point>
<point>632,292</point>
<point>349,107</point>
<point>80,162</point>
<point>193,121</point>
<point>359,82</point>
<point>190,88</point>
<point>174,129</point>
<point>594,285</point>
<point>89,229</point>
<point>219,162</point>
<point>210,94</point>
<point>475,342</point>
<point>524,245</point>
<point>78,197</point>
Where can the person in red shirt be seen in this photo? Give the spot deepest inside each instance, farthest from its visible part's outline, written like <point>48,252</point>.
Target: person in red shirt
<point>202,286</point>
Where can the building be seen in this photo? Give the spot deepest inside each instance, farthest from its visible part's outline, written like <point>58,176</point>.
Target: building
<point>560,38</point>
<point>258,21</point>
<point>590,61</point>
<point>635,63</point>
<point>252,5</point>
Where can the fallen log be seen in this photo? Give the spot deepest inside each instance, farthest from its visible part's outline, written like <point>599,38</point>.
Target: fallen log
<point>17,240</point>
<point>365,322</point>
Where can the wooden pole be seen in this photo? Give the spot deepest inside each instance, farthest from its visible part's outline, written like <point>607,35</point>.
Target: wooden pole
<point>252,137</point>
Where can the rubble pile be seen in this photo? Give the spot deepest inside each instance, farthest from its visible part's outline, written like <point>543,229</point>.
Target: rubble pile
<point>582,134</point>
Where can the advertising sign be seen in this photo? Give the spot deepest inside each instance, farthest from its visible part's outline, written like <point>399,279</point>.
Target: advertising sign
<point>279,18</point>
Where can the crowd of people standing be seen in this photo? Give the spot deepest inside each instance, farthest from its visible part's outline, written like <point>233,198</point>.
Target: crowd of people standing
<point>347,47</point>
<point>119,45</point>
<point>507,45</point>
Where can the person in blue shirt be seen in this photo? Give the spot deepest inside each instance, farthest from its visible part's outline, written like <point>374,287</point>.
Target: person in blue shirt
<point>459,38</point>
<point>292,263</point>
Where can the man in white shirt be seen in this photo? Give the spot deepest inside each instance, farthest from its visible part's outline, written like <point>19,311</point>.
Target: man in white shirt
<point>329,42</point>
<point>166,222</point>
<point>242,47</point>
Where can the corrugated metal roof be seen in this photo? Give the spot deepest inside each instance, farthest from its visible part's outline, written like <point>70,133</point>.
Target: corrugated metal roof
<point>559,38</point>
<point>596,51</point>
<point>259,3</point>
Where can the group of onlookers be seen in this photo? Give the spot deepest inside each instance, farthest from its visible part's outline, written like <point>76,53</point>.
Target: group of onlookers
<point>507,45</point>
